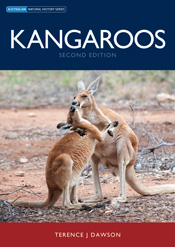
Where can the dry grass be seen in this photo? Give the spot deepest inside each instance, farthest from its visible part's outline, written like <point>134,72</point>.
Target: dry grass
<point>28,86</point>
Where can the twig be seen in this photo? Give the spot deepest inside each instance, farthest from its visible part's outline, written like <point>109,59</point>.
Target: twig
<point>15,199</point>
<point>156,142</point>
<point>11,192</point>
<point>9,205</point>
<point>21,188</point>
<point>31,192</point>
<point>151,136</point>
<point>151,149</point>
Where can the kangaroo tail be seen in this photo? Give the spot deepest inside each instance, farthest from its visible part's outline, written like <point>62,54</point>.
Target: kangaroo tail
<point>133,181</point>
<point>53,196</point>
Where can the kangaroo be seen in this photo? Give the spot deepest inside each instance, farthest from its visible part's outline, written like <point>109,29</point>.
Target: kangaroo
<point>67,159</point>
<point>118,153</point>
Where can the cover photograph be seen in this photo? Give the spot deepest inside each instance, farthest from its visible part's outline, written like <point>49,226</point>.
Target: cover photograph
<point>87,123</point>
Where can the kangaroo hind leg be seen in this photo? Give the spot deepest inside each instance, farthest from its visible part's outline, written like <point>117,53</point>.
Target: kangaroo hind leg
<point>123,159</point>
<point>96,182</point>
<point>122,172</point>
<point>58,176</point>
<point>126,156</point>
<point>122,193</point>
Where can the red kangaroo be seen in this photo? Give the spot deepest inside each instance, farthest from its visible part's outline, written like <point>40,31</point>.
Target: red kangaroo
<point>118,153</point>
<point>67,159</point>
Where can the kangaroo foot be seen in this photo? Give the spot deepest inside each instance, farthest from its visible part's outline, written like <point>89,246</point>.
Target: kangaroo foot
<point>91,199</point>
<point>115,202</point>
<point>87,206</point>
<point>122,198</point>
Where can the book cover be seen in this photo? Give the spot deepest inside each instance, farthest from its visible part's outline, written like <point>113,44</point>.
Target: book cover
<point>112,64</point>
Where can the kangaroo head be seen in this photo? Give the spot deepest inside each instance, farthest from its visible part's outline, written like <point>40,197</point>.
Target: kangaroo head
<point>73,116</point>
<point>84,97</point>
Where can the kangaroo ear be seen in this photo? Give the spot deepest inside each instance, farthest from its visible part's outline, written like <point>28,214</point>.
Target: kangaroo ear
<point>94,85</point>
<point>80,85</point>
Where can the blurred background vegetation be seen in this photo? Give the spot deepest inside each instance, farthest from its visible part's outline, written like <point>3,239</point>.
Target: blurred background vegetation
<point>43,88</point>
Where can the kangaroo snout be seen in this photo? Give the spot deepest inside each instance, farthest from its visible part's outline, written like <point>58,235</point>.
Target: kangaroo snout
<point>73,108</point>
<point>110,133</point>
<point>115,123</point>
<point>76,103</point>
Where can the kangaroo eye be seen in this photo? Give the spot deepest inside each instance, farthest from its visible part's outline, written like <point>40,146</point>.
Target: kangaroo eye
<point>84,96</point>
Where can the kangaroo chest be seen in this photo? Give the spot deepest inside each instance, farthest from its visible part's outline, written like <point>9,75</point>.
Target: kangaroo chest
<point>91,117</point>
<point>106,153</point>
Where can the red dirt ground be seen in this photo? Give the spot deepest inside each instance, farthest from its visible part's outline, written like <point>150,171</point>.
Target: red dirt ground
<point>32,133</point>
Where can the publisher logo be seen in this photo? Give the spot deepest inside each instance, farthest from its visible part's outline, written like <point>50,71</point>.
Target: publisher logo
<point>37,9</point>
<point>16,9</point>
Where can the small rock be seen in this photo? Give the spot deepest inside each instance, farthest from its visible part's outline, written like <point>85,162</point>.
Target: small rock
<point>108,211</point>
<point>12,136</point>
<point>23,160</point>
<point>28,144</point>
<point>138,166</point>
<point>32,114</point>
<point>19,173</point>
